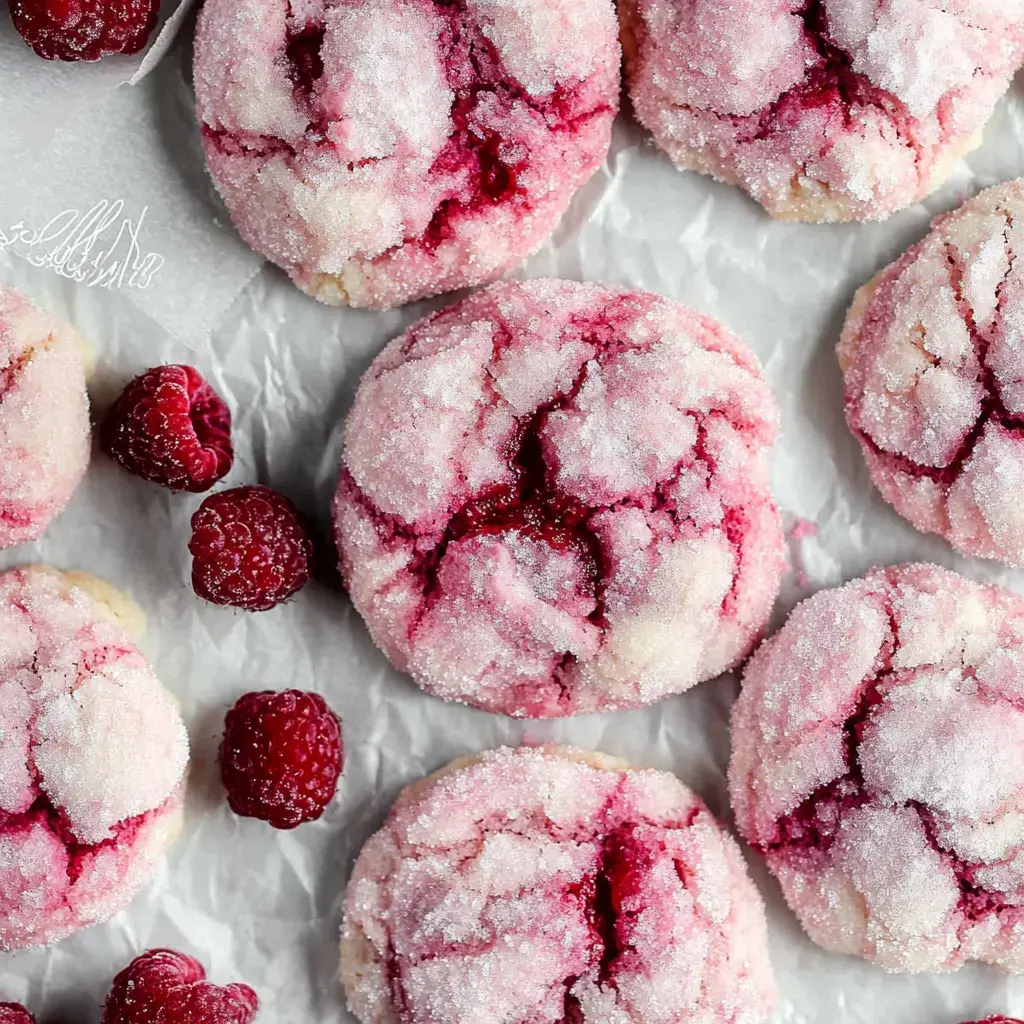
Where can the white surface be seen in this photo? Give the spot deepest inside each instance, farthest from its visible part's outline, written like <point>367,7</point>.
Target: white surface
<point>95,142</point>
<point>261,906</point>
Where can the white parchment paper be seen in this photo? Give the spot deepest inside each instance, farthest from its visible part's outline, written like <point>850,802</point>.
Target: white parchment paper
<point>106,184</point>
<point>261,906</point>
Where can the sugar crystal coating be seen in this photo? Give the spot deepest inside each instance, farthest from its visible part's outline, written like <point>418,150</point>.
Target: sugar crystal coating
<point>822,110</point>
<point>878,765</point>
<point>554,499</point>
<point>385,150</point>
<point>552,885</point>
<point>92,757</point>
<point>933,356</point>
<point>44,418</point>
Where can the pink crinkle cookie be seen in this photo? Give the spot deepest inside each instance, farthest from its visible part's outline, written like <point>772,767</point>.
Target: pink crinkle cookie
<point>878,764</point>
<point>381,151</point>
<point>92,758</point>
<point>823,110</point>
<point>553,885</point>
<point>554,499</point>
<point>933,353</point>
<point>44,417</point>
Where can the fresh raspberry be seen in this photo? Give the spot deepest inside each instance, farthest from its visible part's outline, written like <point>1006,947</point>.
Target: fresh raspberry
<point>165,987</point>
<point>84,29</point>
<point>281,756</point>
<point>171,427</point>
<point>15,1013</point>
<point>249,549</point>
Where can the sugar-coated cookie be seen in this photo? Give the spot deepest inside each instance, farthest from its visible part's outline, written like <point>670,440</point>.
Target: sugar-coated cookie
<point>933,356</point>
<point>44,417</point>
<point>823,111</point>
<point>384,150</point>
<point>552,884</point>
<point>92,758</point>
<point>878,765</point>
<point>554,499</point>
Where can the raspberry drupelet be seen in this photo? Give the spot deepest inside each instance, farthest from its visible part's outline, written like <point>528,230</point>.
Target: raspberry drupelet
<point>169,426</point>
<point>15,1013</point>
<point>163,986</point>
<point>74,30</point>
<point>281,757</point>
<point>250,549</point>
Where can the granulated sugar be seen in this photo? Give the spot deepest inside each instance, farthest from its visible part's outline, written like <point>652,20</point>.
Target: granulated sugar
<point>387,150</point>
<point>878,764</point>
<point>552,884</point>
<point>92,757</point>
<point>933,355</point>
<point>822,111</point>
<point>588,529</point>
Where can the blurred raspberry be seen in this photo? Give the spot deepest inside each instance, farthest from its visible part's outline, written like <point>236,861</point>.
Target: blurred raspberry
<point>249,548</point>
<point>165,987</point>
<point>281,757</point>
<point>15,1013</point>
<point>84,29</point>
<point>171,427</point>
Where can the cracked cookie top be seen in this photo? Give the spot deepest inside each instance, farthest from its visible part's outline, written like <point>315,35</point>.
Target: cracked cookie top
<point>44,418</point>
<point>554,499</point>
<point>92,756</point>
<point>550,884</point>
<point>878,765</point>
<point>822,110</point>
<point>933,356</point>
<point>384,150</point>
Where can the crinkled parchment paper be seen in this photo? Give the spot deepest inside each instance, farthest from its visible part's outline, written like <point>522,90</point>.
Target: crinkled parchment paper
<point>263,906</point>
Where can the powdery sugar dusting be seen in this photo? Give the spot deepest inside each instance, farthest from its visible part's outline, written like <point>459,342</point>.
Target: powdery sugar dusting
<point>933,355</point>
<point>821,109</point>
<point>554,499</point>
<point>92,752</point>
<point>551,885</point>
<point>384,150</point>
<point>878,764</point>
<point>44,418</point>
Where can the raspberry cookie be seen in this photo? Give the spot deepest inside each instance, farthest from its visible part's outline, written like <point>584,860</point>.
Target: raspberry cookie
<point>550,884</point>
<point>825,111</point>
<point>554,499</point>
<point>878,764</point>
<point>92,757</point>
<point>44,417</point>
<point>933,355</point>
<point>384,150</point>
